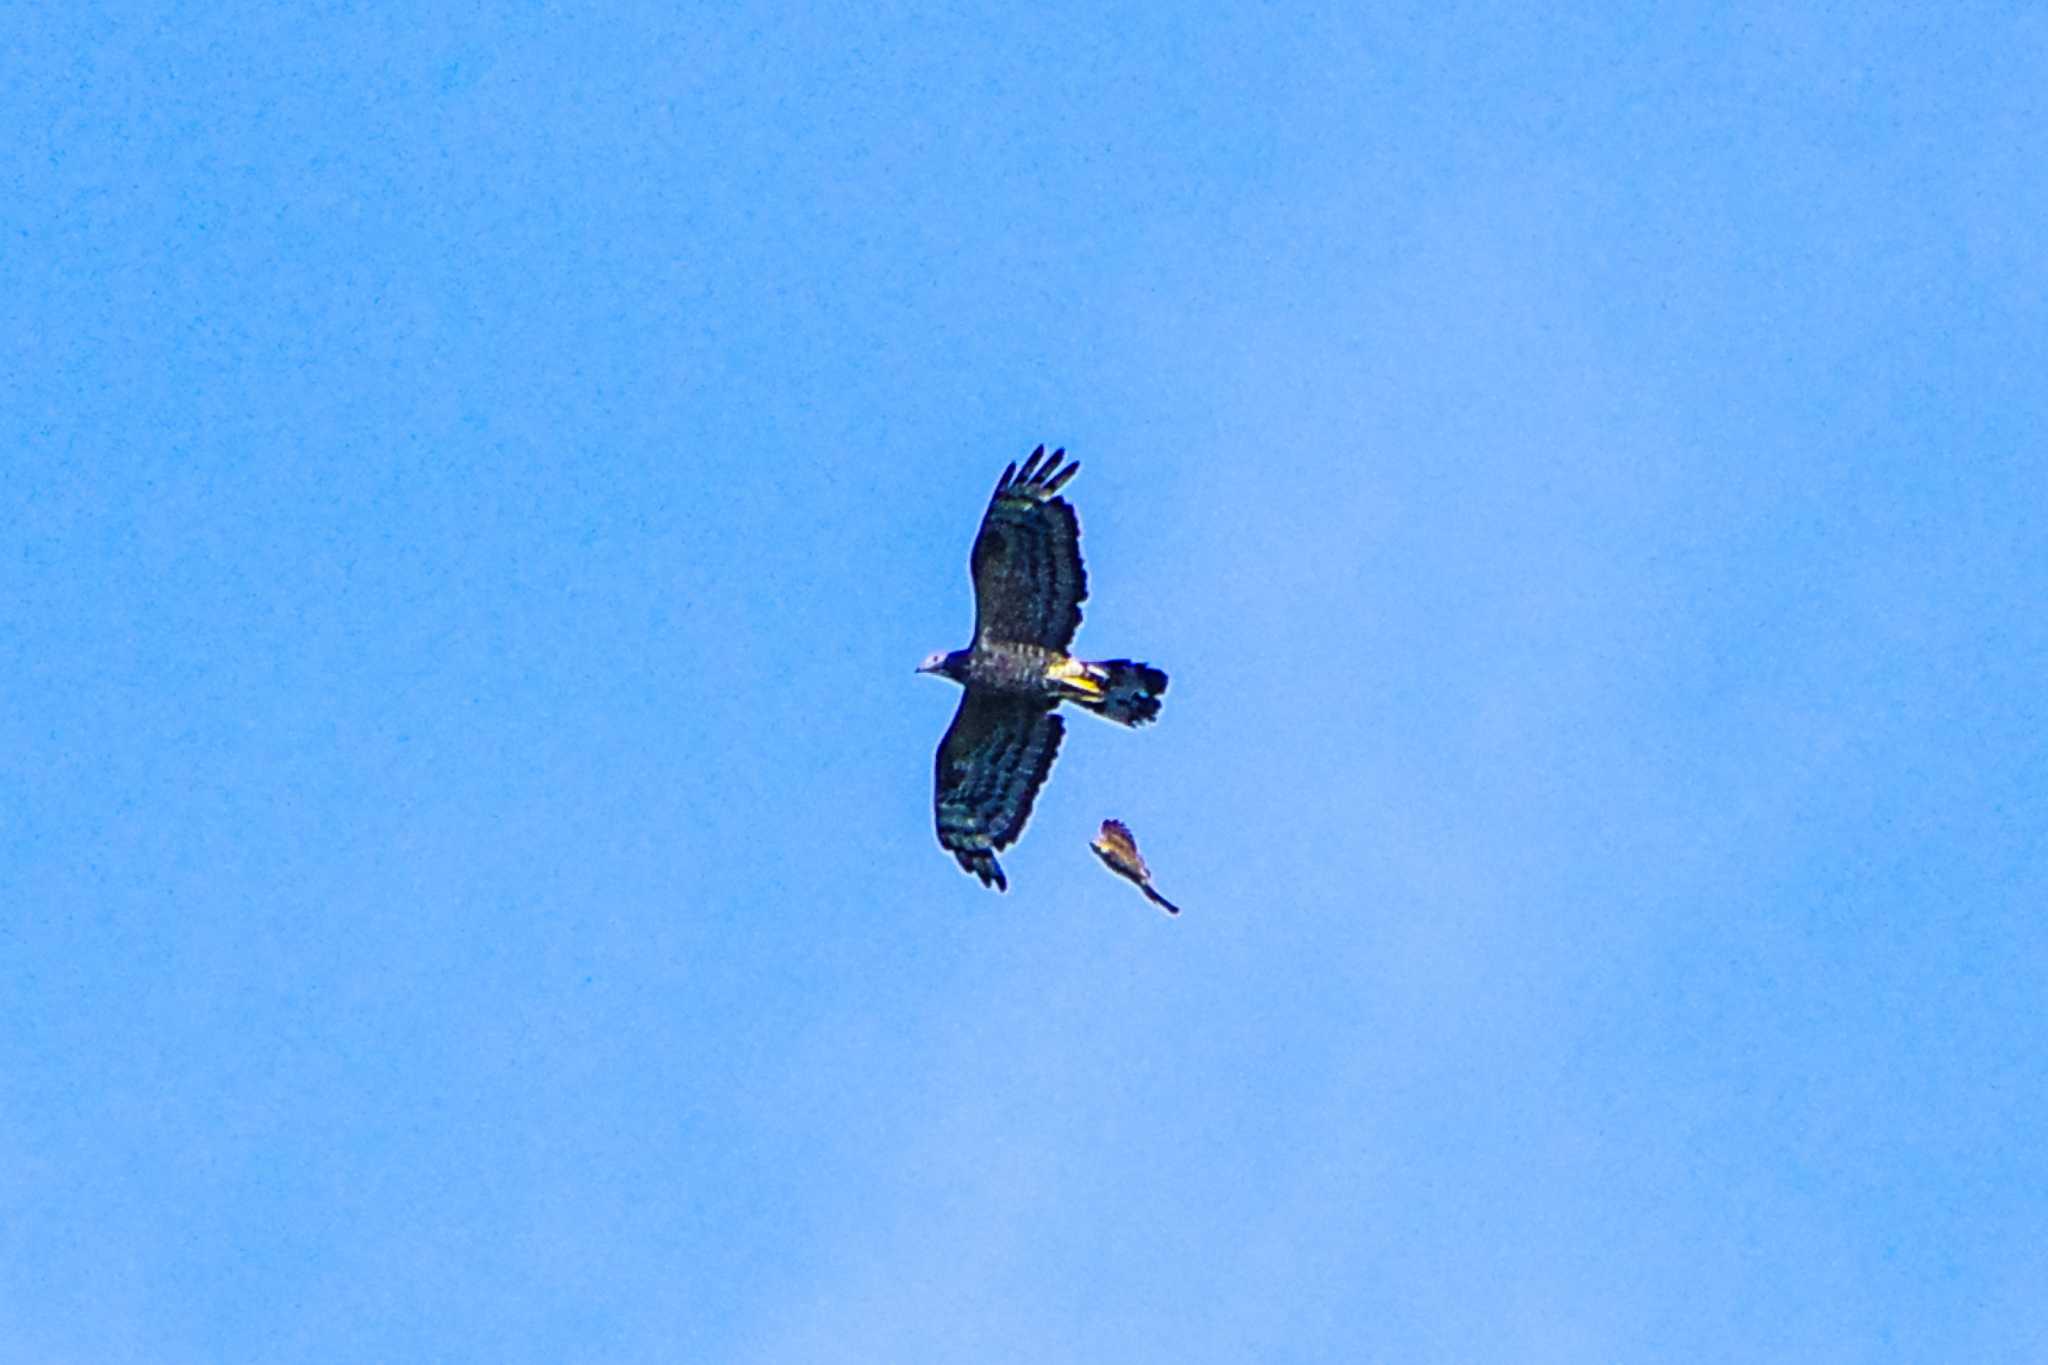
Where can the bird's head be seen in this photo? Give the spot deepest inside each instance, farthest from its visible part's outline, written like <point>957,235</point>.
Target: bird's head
<point>941,662</point>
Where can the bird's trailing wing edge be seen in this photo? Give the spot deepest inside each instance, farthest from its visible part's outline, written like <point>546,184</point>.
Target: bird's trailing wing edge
<point>992,762</point>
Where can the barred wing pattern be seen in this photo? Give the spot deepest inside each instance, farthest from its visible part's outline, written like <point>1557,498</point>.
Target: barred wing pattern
<point>1028,579</point>
<point>991,763</point>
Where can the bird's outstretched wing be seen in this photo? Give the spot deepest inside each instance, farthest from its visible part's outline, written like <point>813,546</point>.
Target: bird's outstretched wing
<point>1118,849</point>
<point>994,758</point>
<point>1028,579</point>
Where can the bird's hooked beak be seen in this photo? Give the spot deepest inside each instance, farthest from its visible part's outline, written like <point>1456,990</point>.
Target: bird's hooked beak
<point>932,665</point>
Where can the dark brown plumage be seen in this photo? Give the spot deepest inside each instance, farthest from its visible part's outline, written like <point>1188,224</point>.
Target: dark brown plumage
<point>1029,584</point>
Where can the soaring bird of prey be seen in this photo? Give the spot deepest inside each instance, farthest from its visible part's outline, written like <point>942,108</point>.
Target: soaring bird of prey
<point>1028,590</point>
<point>1119,850</point>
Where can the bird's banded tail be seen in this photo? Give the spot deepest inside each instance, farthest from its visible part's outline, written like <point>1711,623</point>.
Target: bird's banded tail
<point>1126,692</point>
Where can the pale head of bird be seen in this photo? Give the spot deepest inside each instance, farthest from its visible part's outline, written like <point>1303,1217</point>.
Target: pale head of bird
<point>948,665</point>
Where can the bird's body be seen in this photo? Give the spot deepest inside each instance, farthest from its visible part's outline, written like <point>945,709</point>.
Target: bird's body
<point>1019,670</point>
<point>1014,669</point>
<point>1029,584</point>
<point>1118,849</point>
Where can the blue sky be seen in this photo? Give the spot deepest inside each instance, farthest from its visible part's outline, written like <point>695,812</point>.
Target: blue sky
<point>478,486</point>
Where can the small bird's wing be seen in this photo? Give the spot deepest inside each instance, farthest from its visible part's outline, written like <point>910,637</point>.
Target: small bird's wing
<point>994,758</point>
<point>1029,582</point>
<point>1115,846</point>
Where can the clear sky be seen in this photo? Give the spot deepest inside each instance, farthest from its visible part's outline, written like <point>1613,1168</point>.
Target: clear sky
<point>477,488</point>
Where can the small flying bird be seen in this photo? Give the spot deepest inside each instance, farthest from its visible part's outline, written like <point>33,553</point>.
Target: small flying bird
<point>1028,588</point>
<point>1119,851</point>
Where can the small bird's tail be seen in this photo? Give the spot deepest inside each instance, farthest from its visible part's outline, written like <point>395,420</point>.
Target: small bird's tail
<point>1126,692</point>
<point>1162,902</point>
